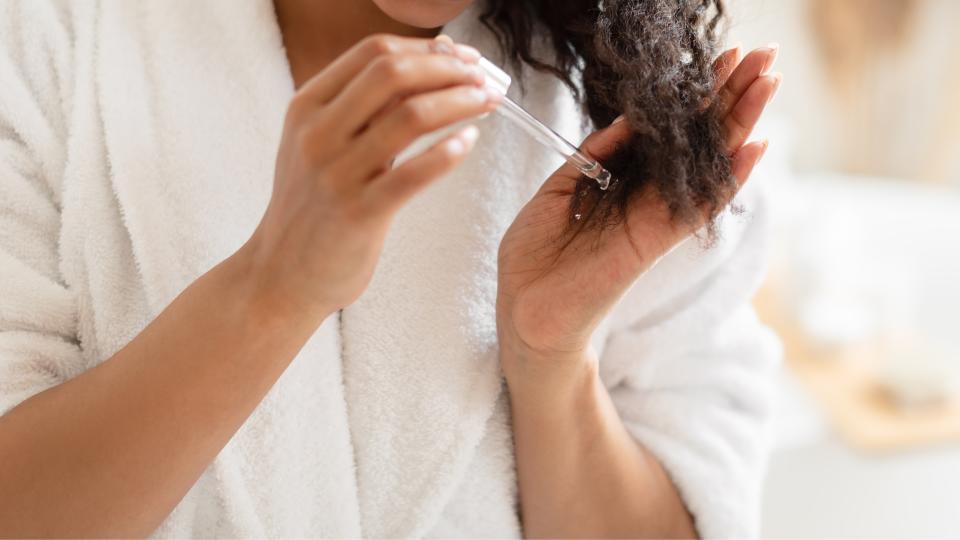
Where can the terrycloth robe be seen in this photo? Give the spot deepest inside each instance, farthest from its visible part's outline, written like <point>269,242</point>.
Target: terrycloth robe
<point>137,147</point>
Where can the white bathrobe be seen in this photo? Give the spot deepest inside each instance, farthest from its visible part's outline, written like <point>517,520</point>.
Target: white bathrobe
<point>137,144</point>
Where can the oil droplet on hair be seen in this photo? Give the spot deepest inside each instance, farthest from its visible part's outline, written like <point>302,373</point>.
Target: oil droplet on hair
<point>603,178</point>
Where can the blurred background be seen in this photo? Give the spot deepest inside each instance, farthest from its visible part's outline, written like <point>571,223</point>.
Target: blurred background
<point>864,176</point>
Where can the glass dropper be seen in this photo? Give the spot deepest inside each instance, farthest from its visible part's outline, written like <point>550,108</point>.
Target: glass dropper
<point>510,110</point>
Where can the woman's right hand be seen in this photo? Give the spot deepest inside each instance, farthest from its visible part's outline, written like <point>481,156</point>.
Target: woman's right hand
<point>130,436</point>
<point>335,189</point>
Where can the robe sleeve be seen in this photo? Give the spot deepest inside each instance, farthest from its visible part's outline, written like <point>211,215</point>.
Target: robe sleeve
<point>693,377</point>
<point>38,311</point>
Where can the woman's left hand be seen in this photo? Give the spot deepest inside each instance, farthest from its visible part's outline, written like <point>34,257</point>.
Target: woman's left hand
<point>551,296</point>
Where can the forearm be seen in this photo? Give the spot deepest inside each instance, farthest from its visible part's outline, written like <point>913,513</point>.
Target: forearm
<point>112,451</point>
<point>580,472</point>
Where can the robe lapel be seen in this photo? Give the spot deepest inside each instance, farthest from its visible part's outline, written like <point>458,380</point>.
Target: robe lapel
<point>420,346</point>
<point>193,96</point>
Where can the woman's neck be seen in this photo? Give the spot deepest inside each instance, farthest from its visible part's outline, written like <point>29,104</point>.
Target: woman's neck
<point>315,32</point>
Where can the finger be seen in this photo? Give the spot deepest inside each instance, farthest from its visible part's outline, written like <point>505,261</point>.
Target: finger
<point>742,165</point>
<point>391,78</point>
<point>603,143</point>
<point>746,159</point>
<point>724,65</point>
<point>598,145</point>
<point>395,187</point>
<point>331,80</point>
<point>755,64</point>
<point>742,119</point>
<point>416,116</point>
<point>464,52</point>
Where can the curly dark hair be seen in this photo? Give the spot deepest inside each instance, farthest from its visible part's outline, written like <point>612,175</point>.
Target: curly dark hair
<point>650,60</point>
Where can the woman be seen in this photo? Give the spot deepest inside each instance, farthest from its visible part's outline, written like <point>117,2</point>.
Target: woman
<point>203,335</point>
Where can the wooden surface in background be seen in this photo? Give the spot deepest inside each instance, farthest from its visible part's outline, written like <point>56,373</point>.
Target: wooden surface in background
<point>844,386</point>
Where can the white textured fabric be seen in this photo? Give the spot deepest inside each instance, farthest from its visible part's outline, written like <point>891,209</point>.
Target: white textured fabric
<point>137,141</point>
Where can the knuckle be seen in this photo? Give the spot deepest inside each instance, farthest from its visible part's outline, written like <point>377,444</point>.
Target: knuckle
<point>392,70</point>
<point>298,106</point>
<point>351,211</point>
<point>380,45</point>
<point>415,115</point>
<point>310,144</point>
<point>304,142</point>
<point>735,127</point>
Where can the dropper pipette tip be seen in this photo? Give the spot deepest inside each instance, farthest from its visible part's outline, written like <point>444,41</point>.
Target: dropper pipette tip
<point>590,167</point>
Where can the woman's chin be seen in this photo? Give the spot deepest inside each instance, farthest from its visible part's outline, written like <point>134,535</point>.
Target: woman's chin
<point>423,13</point>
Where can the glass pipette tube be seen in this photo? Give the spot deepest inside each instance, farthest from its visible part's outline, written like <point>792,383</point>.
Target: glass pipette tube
<point>590,167</point>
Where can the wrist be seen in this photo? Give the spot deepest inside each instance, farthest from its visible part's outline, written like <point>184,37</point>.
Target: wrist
<point>551,385</point>
<point>524,366</point>
<point>265,298</point>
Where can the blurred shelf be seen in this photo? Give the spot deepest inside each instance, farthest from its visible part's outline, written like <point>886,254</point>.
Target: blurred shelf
<point>844,386</point>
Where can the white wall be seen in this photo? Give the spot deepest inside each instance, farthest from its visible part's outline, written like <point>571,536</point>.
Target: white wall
<point>907,122</point>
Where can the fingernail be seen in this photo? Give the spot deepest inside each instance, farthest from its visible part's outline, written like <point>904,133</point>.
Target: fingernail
<point>441,47</point>
<point>470,134</point>
<point>479,94</point>
<point>477,74</point>
<point>777,79</point>
<point>463,141</point>
<point>763,150</point>
<point>445,38</point>
<point>618,119</point>
<point>774,53</point>
<point>737,54</point>
<point>737,50</point>
<point>455,146</point>
<point>493,94</point>
<point>468,53</point>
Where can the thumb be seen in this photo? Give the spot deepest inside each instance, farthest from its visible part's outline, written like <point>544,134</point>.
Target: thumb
<point>598,145</point>
<point>603,143</point>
